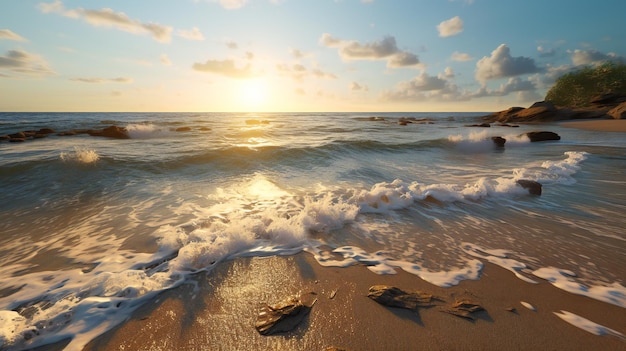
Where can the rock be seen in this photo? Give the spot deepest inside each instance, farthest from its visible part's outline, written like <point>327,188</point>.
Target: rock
<point>618,112</point>
<point>533,187</point>
<point>499,141</point>
<point>542,136</point>
<point>482,125</point>
<point>45,131</point>
<point>608,99</point>
<point>183,129</point>
<point>395,297</point>
<point>464,309</point>
<point>110,132</point>
<point>281,317</point>
<point>507,125</point>
<point>18,135</point>
<point>17,140</point>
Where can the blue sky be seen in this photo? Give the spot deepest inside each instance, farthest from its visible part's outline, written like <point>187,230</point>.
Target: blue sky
<point>297,55</point>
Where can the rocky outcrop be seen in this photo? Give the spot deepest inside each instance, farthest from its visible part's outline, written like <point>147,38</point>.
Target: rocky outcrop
<point>601,106</point>
<point>618,112</point>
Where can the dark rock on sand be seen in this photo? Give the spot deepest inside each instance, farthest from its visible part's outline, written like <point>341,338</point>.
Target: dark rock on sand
<point>395,297</point>
<point>609,99</point>
<point>464,309</point>
<point>281,317</point>
<point>18,135</point>
<point>542,136</point>
<point>183,129</point>
<point>533,187</point>
<point>499,141</point>
<point>17,140</point>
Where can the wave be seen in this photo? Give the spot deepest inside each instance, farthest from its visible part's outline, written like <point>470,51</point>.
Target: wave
<point>80,155</point>
<point>254,217</point>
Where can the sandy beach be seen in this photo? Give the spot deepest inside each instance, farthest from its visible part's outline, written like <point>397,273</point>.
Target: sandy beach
<point>601,125</point>
<point>219,314</point>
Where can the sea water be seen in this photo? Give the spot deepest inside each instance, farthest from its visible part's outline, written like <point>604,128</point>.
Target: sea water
<point>92,228</point>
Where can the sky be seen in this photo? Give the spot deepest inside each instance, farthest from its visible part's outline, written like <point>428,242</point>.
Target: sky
<point>297,55</point>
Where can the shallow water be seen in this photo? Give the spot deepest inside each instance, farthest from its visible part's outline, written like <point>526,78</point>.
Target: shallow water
<point>93,227</point>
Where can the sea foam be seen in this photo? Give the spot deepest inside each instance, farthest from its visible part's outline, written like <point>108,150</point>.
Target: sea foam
<point>587,325</point>
<point>80,155</point>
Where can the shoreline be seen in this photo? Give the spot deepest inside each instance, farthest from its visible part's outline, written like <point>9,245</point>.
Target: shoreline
<point>220,311</point>
<point>600,125</point>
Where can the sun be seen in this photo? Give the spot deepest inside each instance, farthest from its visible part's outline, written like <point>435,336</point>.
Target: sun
<point>253,93</point>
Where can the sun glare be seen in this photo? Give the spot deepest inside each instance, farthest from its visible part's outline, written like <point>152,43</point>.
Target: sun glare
<point>253,93</point>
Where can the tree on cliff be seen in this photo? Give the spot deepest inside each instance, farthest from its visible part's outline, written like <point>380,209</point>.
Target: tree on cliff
<point>576,89</point>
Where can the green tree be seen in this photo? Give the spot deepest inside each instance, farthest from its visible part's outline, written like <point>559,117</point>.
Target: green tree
<point>576,89</point>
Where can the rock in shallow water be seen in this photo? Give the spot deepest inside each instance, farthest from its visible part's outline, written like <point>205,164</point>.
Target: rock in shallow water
<point>533,187</point>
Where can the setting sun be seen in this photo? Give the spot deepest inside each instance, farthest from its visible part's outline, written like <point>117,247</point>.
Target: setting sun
<point>253,93</point>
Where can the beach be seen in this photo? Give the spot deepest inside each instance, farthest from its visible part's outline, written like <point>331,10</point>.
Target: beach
<point>601,125</point>
<point>219,314</point>
<point>175,236</point>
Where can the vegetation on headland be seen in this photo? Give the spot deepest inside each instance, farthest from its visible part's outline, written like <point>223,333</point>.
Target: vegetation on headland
<point>576,89</point>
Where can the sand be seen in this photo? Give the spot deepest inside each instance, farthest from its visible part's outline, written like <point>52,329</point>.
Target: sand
<point>220,311</point>
<point>601,125</point>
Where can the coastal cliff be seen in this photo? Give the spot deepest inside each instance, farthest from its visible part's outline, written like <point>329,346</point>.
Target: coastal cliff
<point>604,106</point>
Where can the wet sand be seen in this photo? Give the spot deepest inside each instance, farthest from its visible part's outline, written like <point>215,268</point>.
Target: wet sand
<point>219,313</point>
<point>601,125</point>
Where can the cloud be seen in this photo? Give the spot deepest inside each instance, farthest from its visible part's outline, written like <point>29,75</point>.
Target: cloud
<point>385,49</point>
<point>299,72</point>
<point>460,57</point>
<point>106,17</point>
<point>230,4</point>
<point>165,60</point>
<point>97,80</point>
<point>354,86</point>
<point>224,67</point>
<point>22,62</point>
<point>425,88</point>
<point>543,52</point>
<point>502,65</point>
<point>193,34</point>
<point>450,27</point>
<point>10,35</point>
<point>300,91</point>
<point>232,45</point>
<point>297,53</point>
<point>588,57</point>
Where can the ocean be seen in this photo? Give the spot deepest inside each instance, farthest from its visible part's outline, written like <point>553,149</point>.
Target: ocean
<point>91,228</point>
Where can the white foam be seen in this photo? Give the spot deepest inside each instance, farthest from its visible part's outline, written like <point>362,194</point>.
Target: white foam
<point>498,257</point>
<point>384,196</point>
<point>145,131</point>
<point>587,325</point>
<point>564,279</point>
<point>80,155</point>
<point>379,263</point>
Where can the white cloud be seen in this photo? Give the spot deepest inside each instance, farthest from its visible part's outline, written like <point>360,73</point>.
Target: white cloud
<point>460,57</point>
<point>10,35</point>
<point>450,27</point>
<point>231,4</point>
<point>193,34</point>
<point>224,67</point>
<point>588,57</point>
<point>299,72</point>
<point>165,60</point>
<point>106,17</point>
<point>297,53</point>
<point>385,49</point>
<point>232,45</point>
<point>22,62</point>
<point>97,80</point>
<point>502,65</point>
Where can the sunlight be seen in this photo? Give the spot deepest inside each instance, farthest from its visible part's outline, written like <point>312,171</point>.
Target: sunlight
<point>253,94</point>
